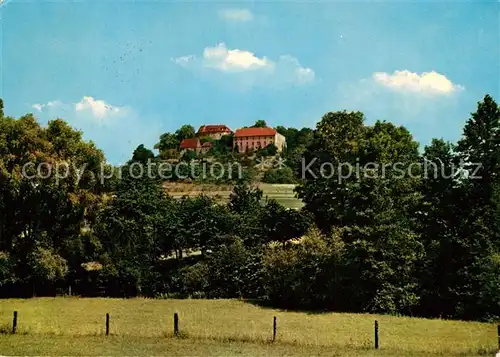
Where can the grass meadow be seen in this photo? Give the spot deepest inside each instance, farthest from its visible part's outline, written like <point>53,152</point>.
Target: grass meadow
<point>76,326</point>
<point>284,194</point>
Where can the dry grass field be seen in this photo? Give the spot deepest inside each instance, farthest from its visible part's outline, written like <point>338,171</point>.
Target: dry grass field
<point>282,193</point>
<point>76,326</point>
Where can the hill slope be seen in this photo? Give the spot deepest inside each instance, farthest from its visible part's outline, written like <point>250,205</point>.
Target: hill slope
<point>284,194</point>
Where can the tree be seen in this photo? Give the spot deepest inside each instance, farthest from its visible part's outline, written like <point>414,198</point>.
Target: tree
<point>207,139</point>
<point>373,206</point>
<point>168,141</point>
<point>245,203</point>
<point>244,199</point>
<point>479,149</point>
<point>260,124</point>
<point>231,270</point>
<point>227,141</point>
<point>197,223</point>
<point>476,288</point>
<point>279,176</point>
<point>223,148</point>
<point>50,189</point>
<point>185,132</point>
<point>189,155</point>
<point>437,228</point>
<point>296,143</point>
<point>47,265</point>
<point>308,274</point>
<point>142,154</point>
<point>336,144</point>
<point>7,273</point>
<point>235,270</point>
<point>283,224</point>
<point>282,130</point>
<point>269,150</point>
<point>296,138</point>
<point>458,213</point>
<point>129,231</point>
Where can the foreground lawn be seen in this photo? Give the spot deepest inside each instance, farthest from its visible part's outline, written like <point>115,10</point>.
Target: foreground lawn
<point>143,346</point>
<point>75,326</point>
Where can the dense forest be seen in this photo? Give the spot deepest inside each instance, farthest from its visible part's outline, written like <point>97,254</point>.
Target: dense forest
<point>422,237</point>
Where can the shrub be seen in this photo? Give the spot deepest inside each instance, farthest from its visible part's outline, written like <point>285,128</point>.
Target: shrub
<point>279,176</point>
<point>306,274</point>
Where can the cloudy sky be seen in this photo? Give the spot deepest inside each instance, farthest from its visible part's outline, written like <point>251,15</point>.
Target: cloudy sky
<point>125,72</point>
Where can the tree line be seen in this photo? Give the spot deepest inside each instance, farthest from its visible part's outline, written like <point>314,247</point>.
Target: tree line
<point>423,243</point>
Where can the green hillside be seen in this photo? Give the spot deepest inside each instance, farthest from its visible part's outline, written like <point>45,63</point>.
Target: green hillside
<point>282,193</point>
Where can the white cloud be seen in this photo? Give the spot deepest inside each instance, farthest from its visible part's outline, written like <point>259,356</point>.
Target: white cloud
<point>419,112</point>
<point>241,63</point>
<point>38,107</point>
<point>98,108</point>
<point>4,2</point>
<point>236,15</point>
<point>42,107</point>
<point>87,108</point>
<point>54,103</point>
<point>103,123</point>
<point>301,74</point>
<point>427,82</point>
<point>183,60</point>
<point>224,59</point>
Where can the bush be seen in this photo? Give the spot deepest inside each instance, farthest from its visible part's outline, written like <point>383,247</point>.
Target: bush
<point>195,279</point>
<point>230,271</point>
<point>279,176</point>
<point>47,265</point>
<point>305,274</point>
<point>269,150</point>
<point>189,155</point>
<point>6,269</point>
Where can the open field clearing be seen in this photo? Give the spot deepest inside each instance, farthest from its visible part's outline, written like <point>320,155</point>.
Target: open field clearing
<point>76,326</point>
<point>143,346</point>
<point>284,194</point>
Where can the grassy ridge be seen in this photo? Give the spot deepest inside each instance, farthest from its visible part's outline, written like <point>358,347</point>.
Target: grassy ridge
<point>226,327</point>
<point>284,194</point>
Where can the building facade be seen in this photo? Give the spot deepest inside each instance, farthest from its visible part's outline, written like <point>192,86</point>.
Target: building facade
<point>206,147</point>
<point>250,139</point>
<point>192,144</point>
<point>213,131</point>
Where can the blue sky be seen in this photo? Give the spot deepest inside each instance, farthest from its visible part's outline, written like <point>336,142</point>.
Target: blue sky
<point>125,72</point>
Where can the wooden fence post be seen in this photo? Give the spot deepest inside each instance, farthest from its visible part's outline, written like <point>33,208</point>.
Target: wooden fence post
<point>107,324</point>
<point>14,322</point>
<point>376,334</point>
<point>176,324</point>
<point>274,328</point>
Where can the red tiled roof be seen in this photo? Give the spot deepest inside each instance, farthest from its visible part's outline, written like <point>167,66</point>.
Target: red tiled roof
<point>208,144</point>
<point>213,129</point>
<point>191,143</point>
<point>255,132</point>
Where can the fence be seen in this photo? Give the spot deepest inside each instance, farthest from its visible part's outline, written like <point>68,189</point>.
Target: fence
<point>177,333</point>
<point>177,330</point>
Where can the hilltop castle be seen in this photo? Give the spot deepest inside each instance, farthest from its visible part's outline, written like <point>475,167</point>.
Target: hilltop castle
<point>244,139</point>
